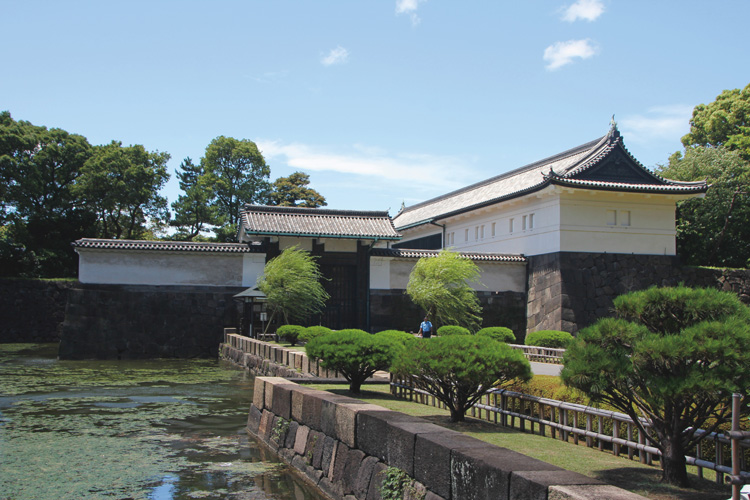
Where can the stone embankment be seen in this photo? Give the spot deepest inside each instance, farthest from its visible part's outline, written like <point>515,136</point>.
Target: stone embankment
<point>346,447</point>
<point>32,310</point>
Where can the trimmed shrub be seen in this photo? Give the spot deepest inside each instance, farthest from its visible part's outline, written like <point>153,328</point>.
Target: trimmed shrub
<point>312,332</point>
<point>446,330</point>
<point>499,333</point>
<point>397,336</point>
<point>290,333</point>
<point>355,354</point>
<point>458,369</point>
<point>549,338</point>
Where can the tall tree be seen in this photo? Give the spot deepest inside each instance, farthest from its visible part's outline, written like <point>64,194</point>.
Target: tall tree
<point>440,286</point>
<point>38,171</point>
<point>724,122</point>
<point>292,191</point>
<point>239,175</point>
<point>194,212</point>
<point>713,231</point>
<point>673,358</point>
<point>121,185</point>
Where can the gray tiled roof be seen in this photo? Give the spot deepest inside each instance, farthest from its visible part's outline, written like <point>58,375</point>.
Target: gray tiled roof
<point>165,246</point>
<point>417,254</point>
<point>317,222</point>
<point>558,169</point>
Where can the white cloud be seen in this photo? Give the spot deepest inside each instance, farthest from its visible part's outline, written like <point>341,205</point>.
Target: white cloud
<point>559,54</point>
<point>409,8</point>
<point>583,9</point>
<point>339,55</point>
<point>427,172</point>
<point>657,124</point>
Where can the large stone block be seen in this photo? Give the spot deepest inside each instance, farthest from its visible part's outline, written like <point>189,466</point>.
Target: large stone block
<point>489,467</point>
<point>590,492</point>
<point>378,475</point>
<point>534,485</point>
<point>364,476</point>
<point>353,462</point>
<point>345,419</point>
<point>259,393</point>
<point>300,441</point>
<point>372,430</point>
<point>265,427</point>
<point>329,446</point>
<point>339,463</point>
<point>270,383</point>
<point>253,420</point>
<point>291,435</point>
<point>432,452</point>
<point>400,439</point>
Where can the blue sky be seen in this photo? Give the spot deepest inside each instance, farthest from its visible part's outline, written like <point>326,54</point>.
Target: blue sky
<point>380,102</point>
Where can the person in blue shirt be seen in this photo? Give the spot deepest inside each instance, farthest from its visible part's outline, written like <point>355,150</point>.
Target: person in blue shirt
<point>425,328</point>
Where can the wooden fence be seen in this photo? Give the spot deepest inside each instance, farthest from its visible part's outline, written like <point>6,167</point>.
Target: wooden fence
<point>600,429</point>
<point>540,354</point>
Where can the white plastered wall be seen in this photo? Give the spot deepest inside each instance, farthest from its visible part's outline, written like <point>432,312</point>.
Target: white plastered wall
<point>568,220</point>
<point>160,268</point>
<point>388,273</point>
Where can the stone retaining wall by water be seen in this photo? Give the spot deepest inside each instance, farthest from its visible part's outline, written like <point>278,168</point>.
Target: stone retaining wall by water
<point>262,358</point>
<point>344,446</point>
<point>32,310</point>
<point>138,322</point>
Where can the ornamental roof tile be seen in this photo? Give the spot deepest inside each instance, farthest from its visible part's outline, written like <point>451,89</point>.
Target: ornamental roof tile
<point>603,163</point>
<point>261,220</point>
<point>417,254</point>
<point>166,246</point>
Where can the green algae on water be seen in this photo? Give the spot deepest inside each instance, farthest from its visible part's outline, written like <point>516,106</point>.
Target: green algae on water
<point>151,430</point>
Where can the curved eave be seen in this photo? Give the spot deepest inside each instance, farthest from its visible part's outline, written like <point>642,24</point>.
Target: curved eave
<point>324,235</point>
<point>632,188</point>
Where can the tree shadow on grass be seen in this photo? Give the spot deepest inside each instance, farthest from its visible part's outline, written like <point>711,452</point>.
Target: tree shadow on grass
<point>645,481</point>
<point>648,483</point>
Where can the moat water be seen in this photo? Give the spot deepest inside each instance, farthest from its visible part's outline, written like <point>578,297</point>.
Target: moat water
<point>151,429</point>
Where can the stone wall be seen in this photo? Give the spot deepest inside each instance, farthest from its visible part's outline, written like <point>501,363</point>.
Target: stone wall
<point>393,309</point>
<point>571,290</point>
<point>131,321</point>
<point>32,310</point>
<point>262,358</point>
<point>344,446</point>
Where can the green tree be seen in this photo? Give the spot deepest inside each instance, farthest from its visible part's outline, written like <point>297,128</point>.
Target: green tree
<point>724,122</point>
<point>121,185</point>
<point>439,285</point>
<point>459,369</point>
<point>291,283</point>
<point>238,174</point>
<point>194,212</point>
<point>38,171</point>
<point>292,191</point>
<point>356,354</point>
<point>673,357</point>
<point>713,231</point>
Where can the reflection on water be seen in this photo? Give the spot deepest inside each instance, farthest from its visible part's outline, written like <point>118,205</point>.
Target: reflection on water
<point>151,429</point>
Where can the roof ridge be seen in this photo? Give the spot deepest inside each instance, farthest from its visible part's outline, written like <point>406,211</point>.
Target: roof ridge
<point>510,173</point>
<point>315,211</point>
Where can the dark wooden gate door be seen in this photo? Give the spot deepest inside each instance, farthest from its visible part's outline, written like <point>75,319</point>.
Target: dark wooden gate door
<point>340,311</point>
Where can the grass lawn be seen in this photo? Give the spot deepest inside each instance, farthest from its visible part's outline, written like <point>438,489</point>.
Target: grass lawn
<point>619,471</point>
